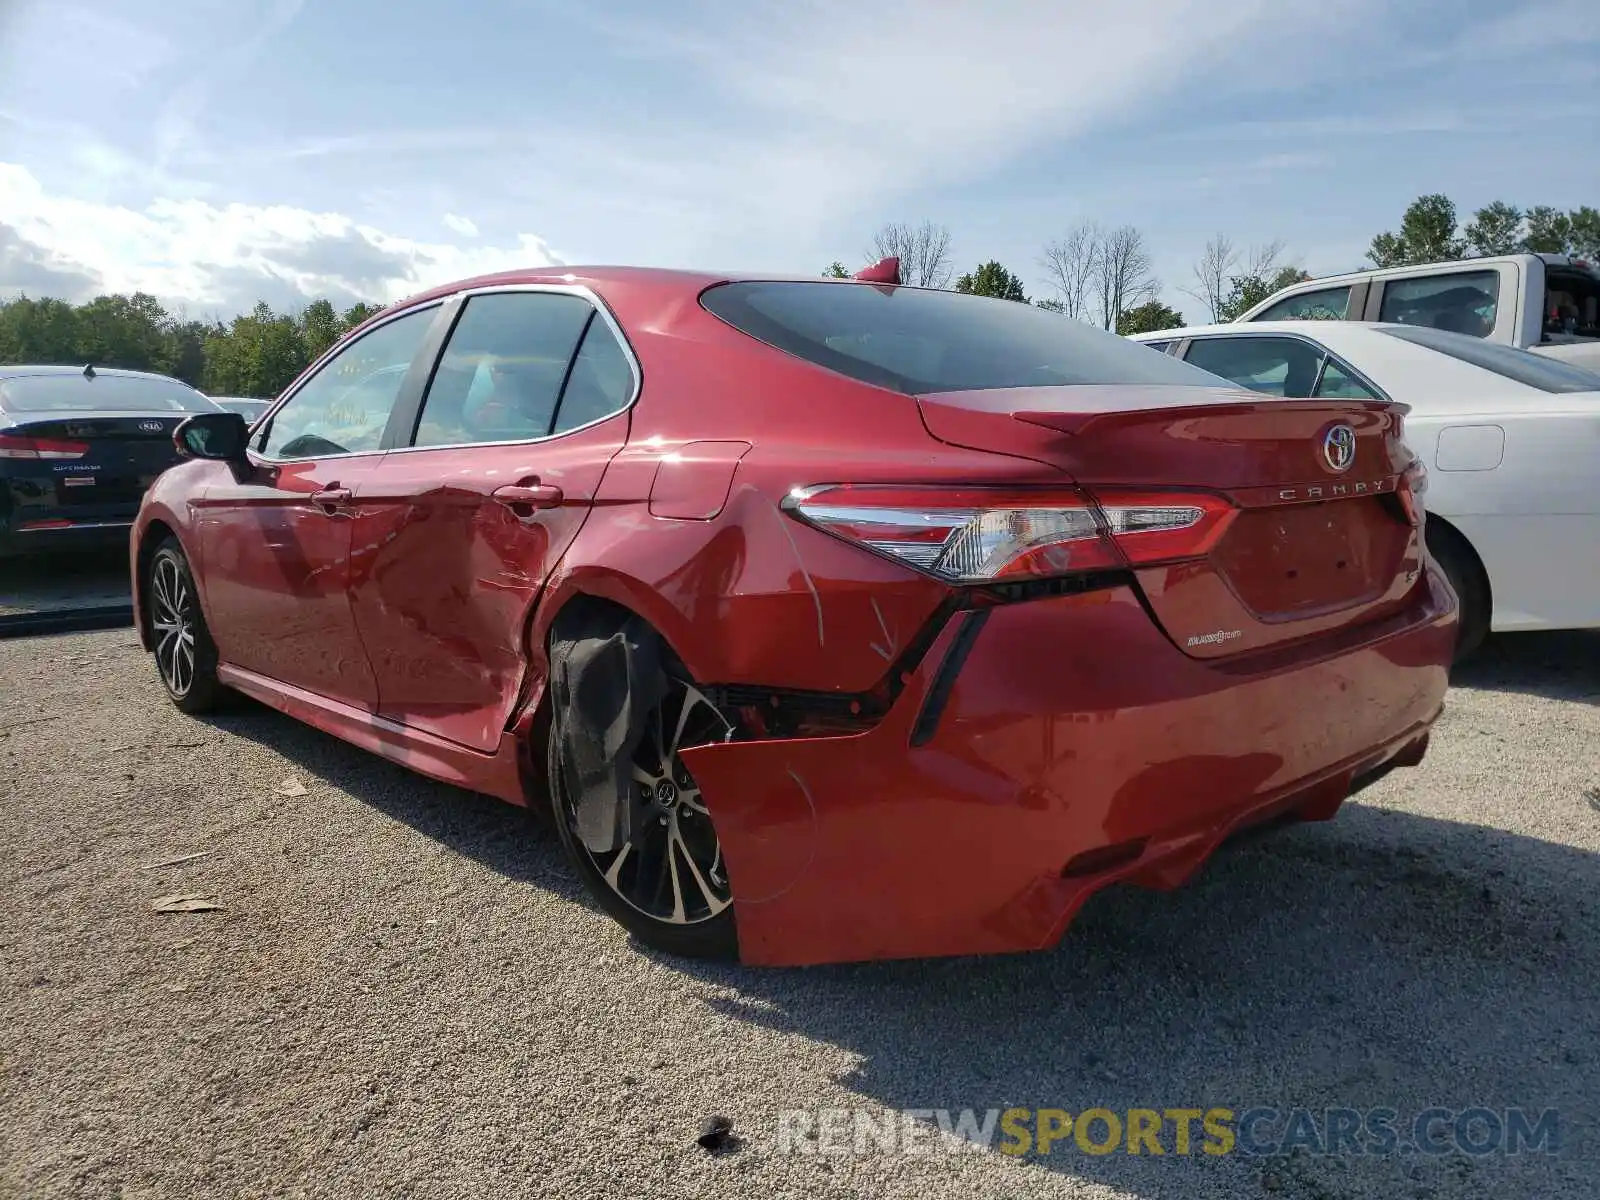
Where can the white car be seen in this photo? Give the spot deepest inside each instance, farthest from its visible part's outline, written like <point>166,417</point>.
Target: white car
<point>1511,441</point>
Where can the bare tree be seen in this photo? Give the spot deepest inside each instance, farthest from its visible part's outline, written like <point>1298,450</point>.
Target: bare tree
<point>1123,275</point>
<point>1263,261</point>
<point>1071,264</point>
<point>923,251</point>
<point>1213,274</point>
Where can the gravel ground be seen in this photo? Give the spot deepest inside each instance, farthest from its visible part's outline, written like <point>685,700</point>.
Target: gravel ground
<point>404,994</point>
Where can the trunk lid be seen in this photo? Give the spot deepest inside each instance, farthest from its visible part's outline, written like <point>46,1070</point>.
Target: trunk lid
<point>1324,536</point>
<point>121,455</point>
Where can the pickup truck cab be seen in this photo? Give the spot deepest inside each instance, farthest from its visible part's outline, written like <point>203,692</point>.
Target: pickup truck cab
<point>1547,303</point>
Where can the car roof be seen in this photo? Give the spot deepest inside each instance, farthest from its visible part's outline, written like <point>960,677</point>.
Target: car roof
<point>599,278</point>
<point>1337,329</point>
<point>32,370</point>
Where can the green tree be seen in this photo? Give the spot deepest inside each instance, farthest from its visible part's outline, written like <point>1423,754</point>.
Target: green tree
<point>357,313</point>
<point>1427,234</point>
<point>321,327</point>
<point>1494,229</point>
<point>836,271</point>
<point>1586,232</point>
<point>38,331</point>
<point>1549,231</point>
<point>992,279</point>
<point>186,355</point>
<point>1149,317</point>
<point>123,331</point>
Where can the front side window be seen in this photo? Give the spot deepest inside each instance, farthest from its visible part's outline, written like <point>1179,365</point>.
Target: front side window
<point>1329,304</point>
<point>1457,302</point>
<point>1521,366</point>
<point>502,371</point>
<point>344,408</point>
<point>1161,347</point>
<point>919,341</point>
<point>1277,366</point>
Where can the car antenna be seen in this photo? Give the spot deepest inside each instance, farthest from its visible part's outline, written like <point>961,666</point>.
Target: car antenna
<point>88,371</point>
<point>885,270</point>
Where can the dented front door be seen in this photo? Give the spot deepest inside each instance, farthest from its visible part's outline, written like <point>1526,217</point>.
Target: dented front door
<point>450,549</point>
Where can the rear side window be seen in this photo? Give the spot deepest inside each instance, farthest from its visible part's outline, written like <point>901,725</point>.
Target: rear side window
<point>1329,304</point>
<point>1531,370</point>
<point>918,341</point>
<point>502,369</point>
<point>103,393</point>
<point>1571,304</point>
<point>1457,302</point>
<point>1338,384</point>
<point>601,381</point>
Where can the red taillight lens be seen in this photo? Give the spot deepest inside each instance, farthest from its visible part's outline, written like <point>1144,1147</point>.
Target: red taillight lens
<point>12,446</point>
<point>984,535</point>
<point>1156,527</point>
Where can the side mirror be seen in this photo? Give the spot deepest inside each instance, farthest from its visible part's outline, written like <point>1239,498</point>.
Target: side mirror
<point>218,435</point>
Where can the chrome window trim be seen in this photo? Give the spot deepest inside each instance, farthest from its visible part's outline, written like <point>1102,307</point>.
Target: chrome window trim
<point>1328,356</point>
<point>259,457</point>
<point>601,309</point>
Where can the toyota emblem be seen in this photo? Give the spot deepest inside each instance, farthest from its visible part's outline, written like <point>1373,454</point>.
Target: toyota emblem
<point>1339,447</point>
<point>150,426</point>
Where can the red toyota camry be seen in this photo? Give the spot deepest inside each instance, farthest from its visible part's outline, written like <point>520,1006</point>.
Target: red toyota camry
<point>832,620</point>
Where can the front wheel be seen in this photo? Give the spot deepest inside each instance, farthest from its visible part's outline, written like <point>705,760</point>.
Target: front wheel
<point>666,882</point>
<point>186,657</point>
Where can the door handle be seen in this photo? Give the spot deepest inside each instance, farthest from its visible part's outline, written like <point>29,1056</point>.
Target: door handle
<point>532,496</point>
<point>330,499</point>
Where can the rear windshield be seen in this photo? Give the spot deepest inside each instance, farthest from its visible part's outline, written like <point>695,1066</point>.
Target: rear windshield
<point>918,340</point>
<point>103,393</point>
<point>1532,370</point>
<point>1571,304</point>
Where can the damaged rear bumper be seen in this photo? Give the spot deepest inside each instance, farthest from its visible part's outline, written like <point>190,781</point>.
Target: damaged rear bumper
<point>1040,752</point>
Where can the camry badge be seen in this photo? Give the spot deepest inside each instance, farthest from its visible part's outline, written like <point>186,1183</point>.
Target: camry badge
<point>1339,447</point>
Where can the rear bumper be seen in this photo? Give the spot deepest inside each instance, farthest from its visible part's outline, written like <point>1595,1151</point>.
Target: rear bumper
<point>1073,732</point>
<point>41,535</point>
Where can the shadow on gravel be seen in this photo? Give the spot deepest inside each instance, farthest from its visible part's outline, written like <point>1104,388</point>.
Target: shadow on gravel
<point>1560,666</point>
<point>502,837</point>
<point>1383,959</point>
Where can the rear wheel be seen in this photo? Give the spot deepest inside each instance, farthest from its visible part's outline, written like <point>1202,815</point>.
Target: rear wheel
<point>186,657</point>
<point>667,884</point>
<point>1467,579</point>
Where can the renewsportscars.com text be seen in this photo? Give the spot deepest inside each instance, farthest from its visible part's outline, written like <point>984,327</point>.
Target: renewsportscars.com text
<point>1215,1131</point>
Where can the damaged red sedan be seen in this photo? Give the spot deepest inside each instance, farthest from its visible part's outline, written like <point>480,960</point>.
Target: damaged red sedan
<point>830,620</point>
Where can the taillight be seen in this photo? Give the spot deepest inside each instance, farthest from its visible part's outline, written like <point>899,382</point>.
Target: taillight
<point>983,535</point>
<point>12,446</point>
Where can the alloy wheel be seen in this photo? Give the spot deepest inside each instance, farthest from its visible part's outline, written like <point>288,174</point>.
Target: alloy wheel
<point>172,618</point>
<point>671,868</point>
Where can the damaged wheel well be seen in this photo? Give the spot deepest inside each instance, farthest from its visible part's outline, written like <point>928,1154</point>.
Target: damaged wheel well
<point>579,613</point>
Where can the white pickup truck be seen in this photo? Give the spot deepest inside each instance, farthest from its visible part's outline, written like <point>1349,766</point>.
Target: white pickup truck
<point>1547,303</point>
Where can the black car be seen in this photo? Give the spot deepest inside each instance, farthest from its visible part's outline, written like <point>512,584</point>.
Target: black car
<point>78,448</point>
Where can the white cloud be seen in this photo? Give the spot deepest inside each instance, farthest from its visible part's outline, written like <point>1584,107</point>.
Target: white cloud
<point>224,257</point>
<point>461,225</point>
